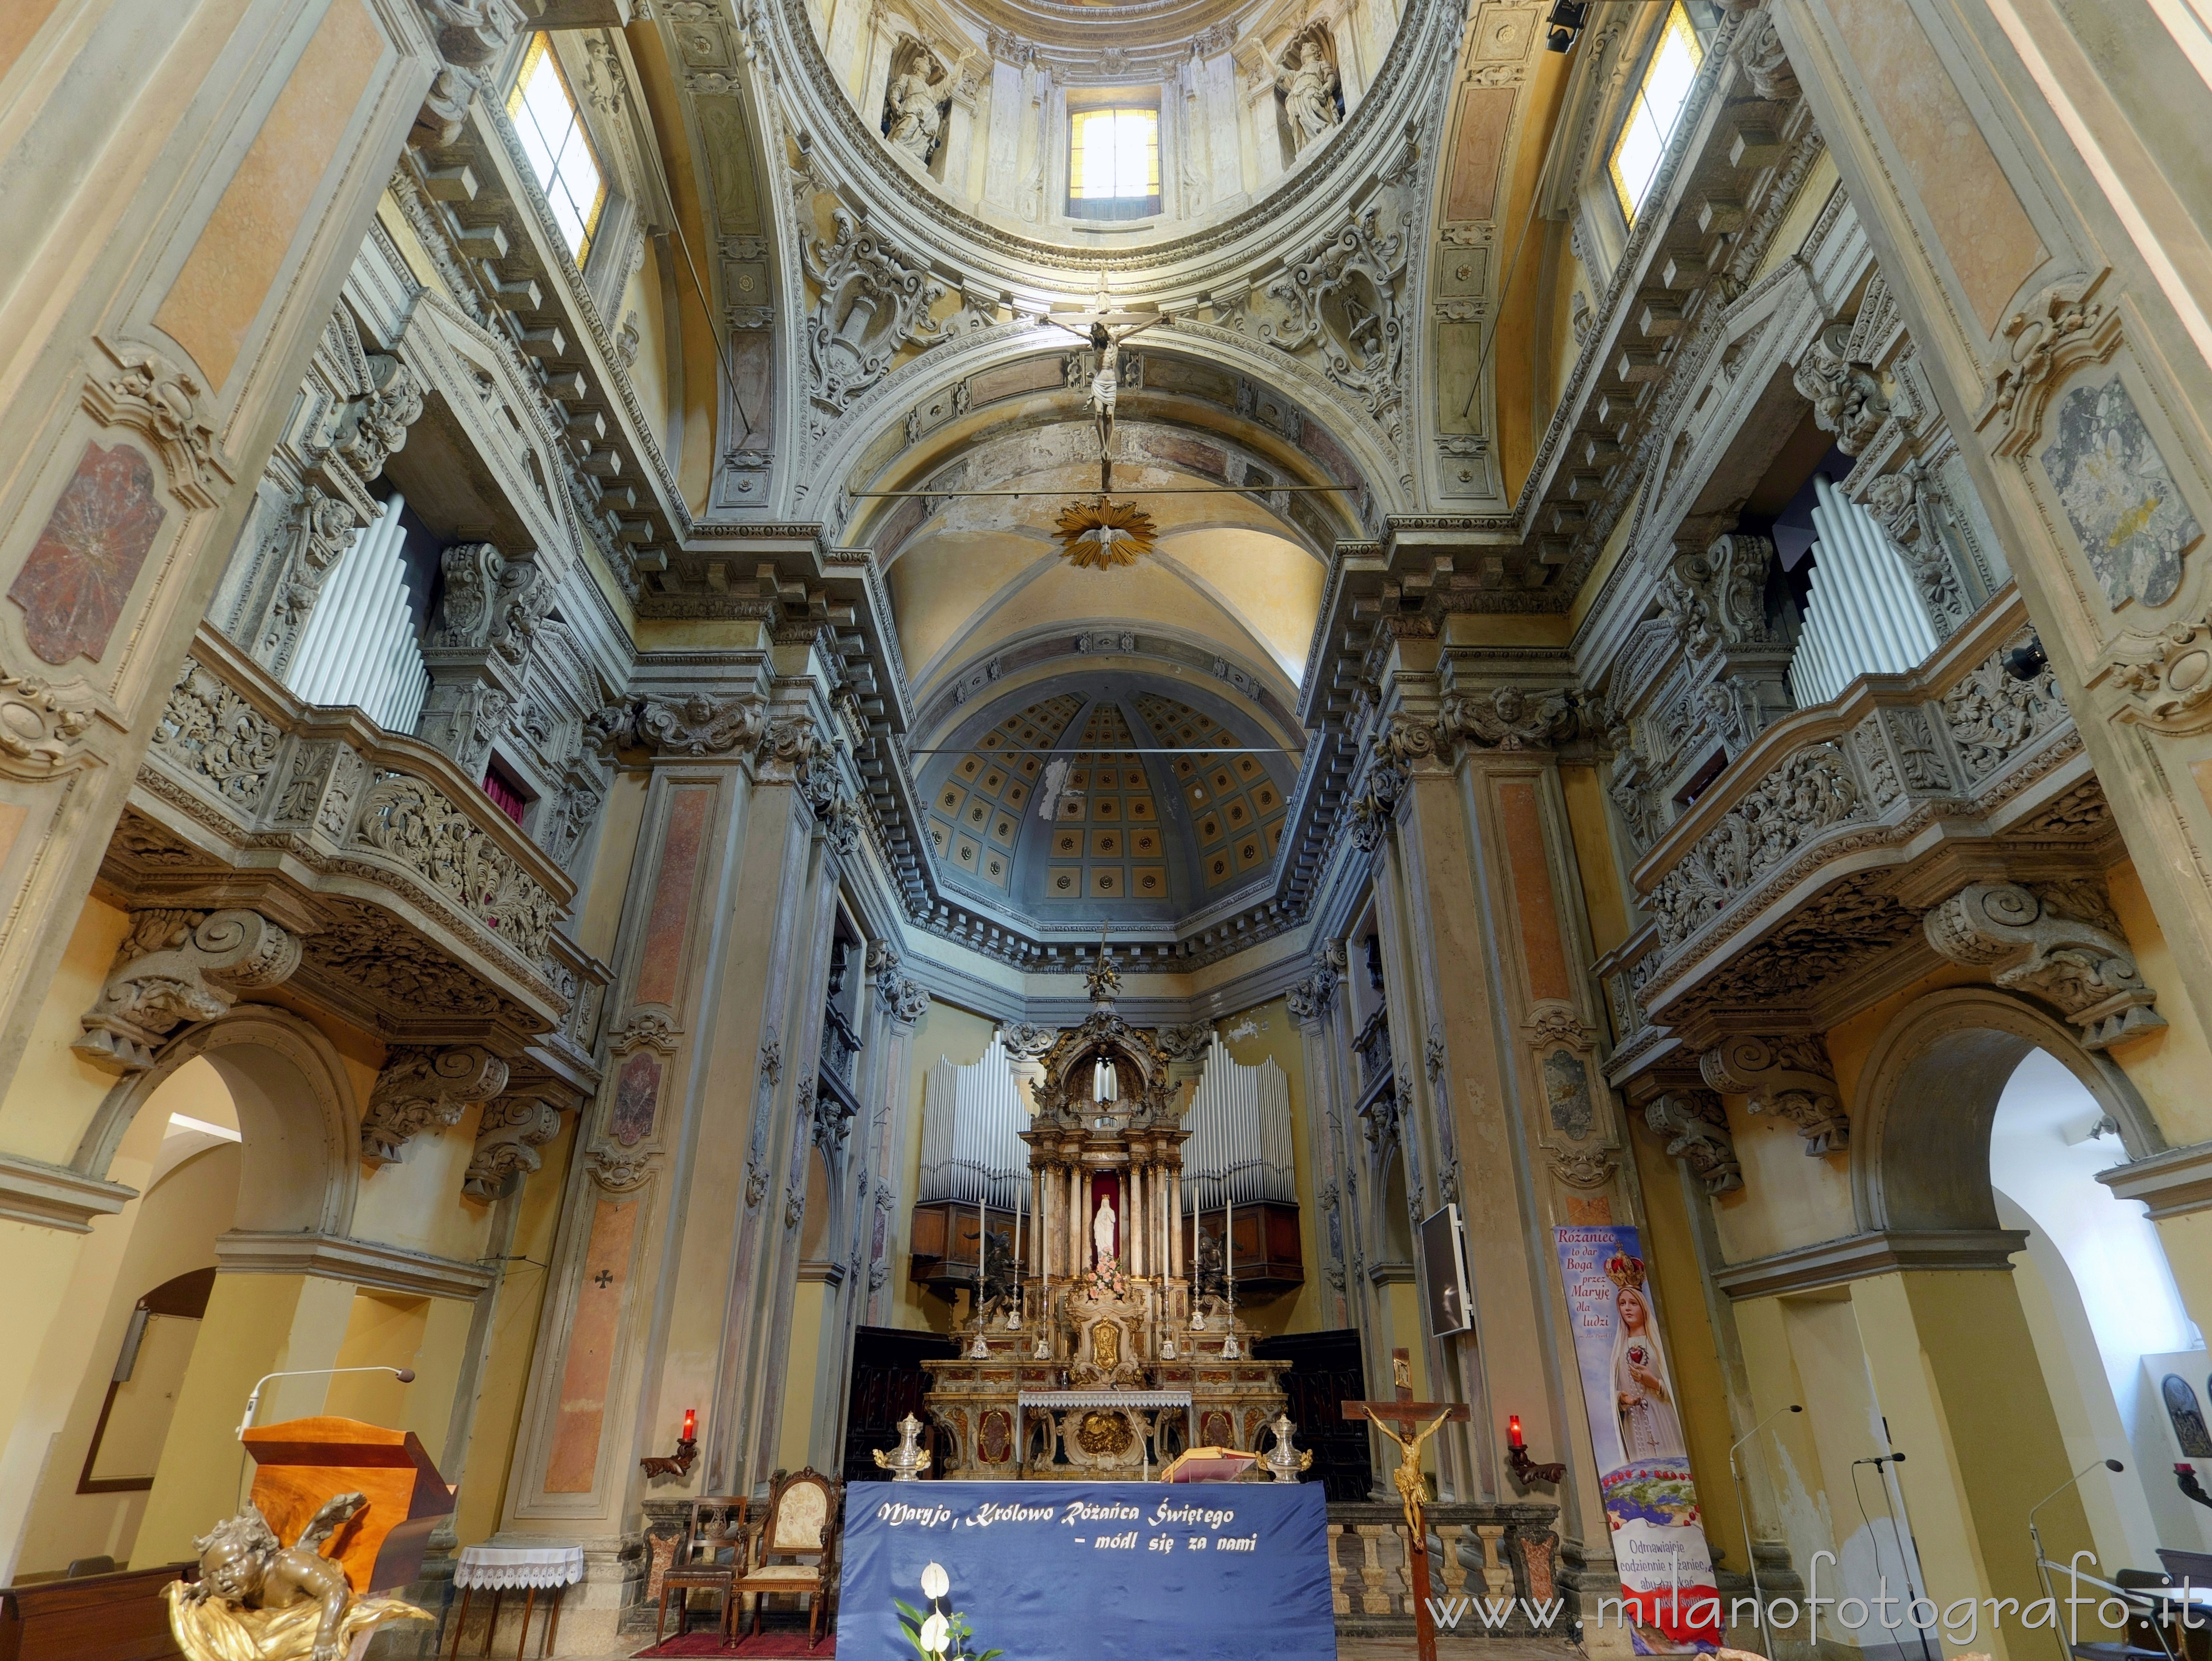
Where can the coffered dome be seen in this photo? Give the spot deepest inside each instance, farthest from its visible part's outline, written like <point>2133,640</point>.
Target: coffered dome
<point>1130,800</point>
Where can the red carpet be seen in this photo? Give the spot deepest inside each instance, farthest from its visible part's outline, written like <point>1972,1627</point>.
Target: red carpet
<point>768,1646</point>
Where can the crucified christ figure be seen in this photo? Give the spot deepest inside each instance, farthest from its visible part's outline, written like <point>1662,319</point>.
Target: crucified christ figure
<point>1106,374</point>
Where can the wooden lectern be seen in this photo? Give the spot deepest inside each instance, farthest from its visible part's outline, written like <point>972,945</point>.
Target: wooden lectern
<point>302,1463</point>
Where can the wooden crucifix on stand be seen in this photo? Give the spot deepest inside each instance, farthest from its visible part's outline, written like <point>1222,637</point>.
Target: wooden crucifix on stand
<point>1410,1424</point>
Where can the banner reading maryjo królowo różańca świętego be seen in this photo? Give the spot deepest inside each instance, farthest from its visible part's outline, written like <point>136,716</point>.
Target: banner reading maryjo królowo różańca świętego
<point>1107,1571</point>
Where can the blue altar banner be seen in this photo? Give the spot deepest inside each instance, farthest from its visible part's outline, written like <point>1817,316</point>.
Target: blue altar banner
<point>1088,1571</point>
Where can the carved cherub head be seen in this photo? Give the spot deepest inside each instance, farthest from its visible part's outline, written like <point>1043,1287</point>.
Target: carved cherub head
<point>235,1555</point>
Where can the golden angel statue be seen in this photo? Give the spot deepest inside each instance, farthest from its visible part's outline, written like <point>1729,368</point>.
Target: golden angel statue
<point>259,1599</point>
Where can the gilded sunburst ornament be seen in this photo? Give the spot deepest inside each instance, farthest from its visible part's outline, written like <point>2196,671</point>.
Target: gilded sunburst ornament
<point>1103,534</point>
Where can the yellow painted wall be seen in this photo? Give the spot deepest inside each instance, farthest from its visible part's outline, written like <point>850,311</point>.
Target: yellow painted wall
<point>55,1091</point>
<point>808,1305</point>
<point>385,1329</point>
<point>1589,823</point>
<point>171,1232</point>
<point>1520,359</point>
<point>600,916</point>
<point>1609,556</point>
<point>512,1345</point>
<point>2170,1065</point>
<point>644,307</point>
<point>1804,211</point>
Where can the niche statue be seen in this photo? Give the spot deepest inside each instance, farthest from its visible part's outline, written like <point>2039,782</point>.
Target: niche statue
<point>1312,94</point>
<point>259,1599</point>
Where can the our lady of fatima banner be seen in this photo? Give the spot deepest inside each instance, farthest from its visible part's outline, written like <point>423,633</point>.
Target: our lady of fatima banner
<point>1670,1597</point>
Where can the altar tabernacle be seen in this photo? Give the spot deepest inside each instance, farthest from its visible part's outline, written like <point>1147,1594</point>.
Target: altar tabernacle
<point>1102,1345</point>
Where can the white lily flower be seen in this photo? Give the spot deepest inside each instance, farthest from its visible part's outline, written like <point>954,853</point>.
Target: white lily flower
<point>936,1634</point>
<point>935,1583</point>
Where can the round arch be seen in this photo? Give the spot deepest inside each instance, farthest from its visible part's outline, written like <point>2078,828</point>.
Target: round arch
<point>298,1121</point>
<point>1928,1097</point>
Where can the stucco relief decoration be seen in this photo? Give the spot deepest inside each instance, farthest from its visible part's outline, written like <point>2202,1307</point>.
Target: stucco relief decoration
<point>1696,1127</point>
<point>1765,65</point>
<point>509,1132</point>
<point>2088,972</point>
<point>872,304</point>
<point>1992,713</point>
<point>646,1029</point>
<point>2120,495</point>
<point>637,1099</point>
<point>471,34</point>
<point>41,729</point>
<point>1848,397</point>
<point>1312,92</point>
<point>1789,1076</point>
<point>411,821</point>
<point>1508,718</point>
<point>80,573</point>
<point>2171,686</point>
<point>1811,791</point>
<point>212,734</point>
<point>2065,329</point>
<point>421,1087</point>
<point>1717,597</point>
<point>175,966</point>
<point>1342,297</point>
<point>915,101</point>
<point>1582,1167</point>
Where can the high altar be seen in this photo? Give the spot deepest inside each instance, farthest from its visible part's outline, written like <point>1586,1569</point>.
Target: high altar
<point>1096,1351</point>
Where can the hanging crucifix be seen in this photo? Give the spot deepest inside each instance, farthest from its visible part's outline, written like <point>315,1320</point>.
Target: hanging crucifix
<point>1410,1424</point>
<point>1105,329</point>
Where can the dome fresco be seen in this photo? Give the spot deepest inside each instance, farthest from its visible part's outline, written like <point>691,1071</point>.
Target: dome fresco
<point>1163,805</point>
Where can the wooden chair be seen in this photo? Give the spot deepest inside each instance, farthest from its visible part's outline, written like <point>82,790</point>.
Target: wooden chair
<point>801,1523</point>
<point>712,1553</point>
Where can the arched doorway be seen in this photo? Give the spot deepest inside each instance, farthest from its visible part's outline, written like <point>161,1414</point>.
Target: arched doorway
<point>1973,1150</point>
<point>2100,1301</point>
<point>245,1127</point>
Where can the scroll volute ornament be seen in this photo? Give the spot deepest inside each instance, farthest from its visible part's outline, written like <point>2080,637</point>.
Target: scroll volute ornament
<point>421,1088</point>
<point>2088,973</point>
<point>177,967</point>
<point>1789,1076</point>
<point>2067,325</point>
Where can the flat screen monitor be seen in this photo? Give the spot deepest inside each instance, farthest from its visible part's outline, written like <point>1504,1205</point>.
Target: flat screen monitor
<point>1444,1253</point>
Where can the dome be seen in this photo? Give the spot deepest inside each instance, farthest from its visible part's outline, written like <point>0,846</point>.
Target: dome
<point>1166,802</point>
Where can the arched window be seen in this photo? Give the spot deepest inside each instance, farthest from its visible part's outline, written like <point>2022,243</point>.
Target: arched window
<point>1114,161</point>
<point>543,110</point>
<point>1655,111</point>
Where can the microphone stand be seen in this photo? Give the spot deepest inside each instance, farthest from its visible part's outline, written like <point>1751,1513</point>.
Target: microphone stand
<point>2035,1539</point>
<point>1905,1557</point>
<point>1743,1506</point>
<point>405,1374</point>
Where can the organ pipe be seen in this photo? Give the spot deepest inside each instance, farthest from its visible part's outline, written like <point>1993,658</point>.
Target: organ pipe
<point>1863,614</point>
<point>359,646</point>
